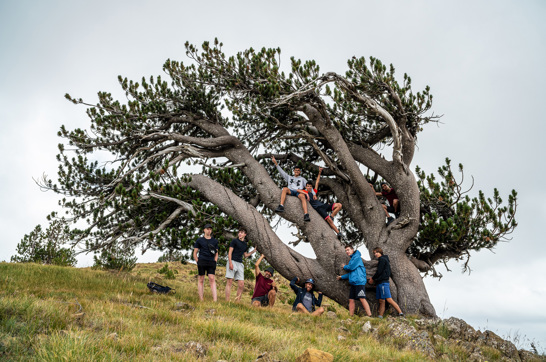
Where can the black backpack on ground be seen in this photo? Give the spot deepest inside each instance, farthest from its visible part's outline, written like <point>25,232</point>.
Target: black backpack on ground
<point>160,289</point>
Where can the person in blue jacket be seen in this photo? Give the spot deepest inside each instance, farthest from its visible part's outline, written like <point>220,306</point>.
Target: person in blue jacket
<point>357,279</point>
<point>306,302</point>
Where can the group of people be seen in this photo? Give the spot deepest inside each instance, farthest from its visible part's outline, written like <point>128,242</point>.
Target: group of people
<point>205,254</point>
<point>299,187</point>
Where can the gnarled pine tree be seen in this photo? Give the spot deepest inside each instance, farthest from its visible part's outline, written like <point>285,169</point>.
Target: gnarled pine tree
<point>196,149</point>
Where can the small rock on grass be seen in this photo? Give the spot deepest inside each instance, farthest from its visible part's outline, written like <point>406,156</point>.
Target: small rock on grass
<point>184,306</point>
<point>367,327</point>
<point>315,355</point>
<point>265,357</point>
<point>198,349</point>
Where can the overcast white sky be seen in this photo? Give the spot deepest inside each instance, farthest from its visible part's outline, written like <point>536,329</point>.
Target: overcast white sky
<point>485,62</point>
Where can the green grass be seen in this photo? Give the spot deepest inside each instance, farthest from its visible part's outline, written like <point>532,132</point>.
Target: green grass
<point>60,313</point>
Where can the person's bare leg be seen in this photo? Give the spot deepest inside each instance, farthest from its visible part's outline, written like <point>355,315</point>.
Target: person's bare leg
<point>351,306</point>
<point>381,309</point>
<point>285,191</point>
<point>331,223</point>
<point>256,303</point>
<point>395,305</point>
<point>212,283</point>
<point>271,296</point>
<point>300,308</point>
<point>337,208</point>
<point>228,289</point>
<point>240,289</point>
<point>303,202</point>
<point>386,212</point>
<point>395,203</point>
<point>318,311</point>
<point>201,286</point>
<point>366,306</point>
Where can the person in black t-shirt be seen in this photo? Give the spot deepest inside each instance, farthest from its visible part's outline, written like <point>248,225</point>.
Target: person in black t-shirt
<point>207,248</point>
<point>235,268</point>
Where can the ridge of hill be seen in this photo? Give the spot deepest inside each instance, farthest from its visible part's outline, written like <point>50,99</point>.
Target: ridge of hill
<point>52,313</point>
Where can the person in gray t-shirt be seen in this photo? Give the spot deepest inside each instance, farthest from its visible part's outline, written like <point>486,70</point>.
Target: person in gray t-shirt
<point>296,187</point>
<point>306,302</point>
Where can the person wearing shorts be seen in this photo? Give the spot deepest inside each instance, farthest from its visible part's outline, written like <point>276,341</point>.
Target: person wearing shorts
<point>205,254</point>
<point>296,187</point>
<point>326,211</point>
<point>235,268</point>
<point>265,290</point>
<point>306,302</point>
<point>381,279</point>
<point>357,280</point>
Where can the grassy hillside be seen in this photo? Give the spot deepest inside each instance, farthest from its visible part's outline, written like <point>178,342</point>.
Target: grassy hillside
<point>52,313</point>
<point>59,313</point>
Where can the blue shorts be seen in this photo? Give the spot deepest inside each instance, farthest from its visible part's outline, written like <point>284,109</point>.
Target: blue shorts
<point>383,291</point>
<point>294,192</point>
<point>357,292</point>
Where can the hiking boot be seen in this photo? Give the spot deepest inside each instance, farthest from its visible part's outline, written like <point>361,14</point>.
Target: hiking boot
<point>339,236</point>
<point>389,220</point>
<point>306,217</point>
<point>401,315</point>
<point>279,208</point>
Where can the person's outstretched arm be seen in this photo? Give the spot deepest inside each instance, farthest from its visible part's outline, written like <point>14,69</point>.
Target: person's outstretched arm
<point>318,178</point>
<point>293,284</point>
<point>281,171</point>
<point>257,265</point>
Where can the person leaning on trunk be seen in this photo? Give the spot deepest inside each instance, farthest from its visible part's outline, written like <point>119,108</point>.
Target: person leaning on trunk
<point>381,279</point>
<point>357,280</point>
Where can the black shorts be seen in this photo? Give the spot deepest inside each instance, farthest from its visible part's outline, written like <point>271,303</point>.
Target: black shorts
<point>208,267</point>
<point>357,292</point>
<point>264,300</point>
<point>324,209</point>
<point>390,209</point>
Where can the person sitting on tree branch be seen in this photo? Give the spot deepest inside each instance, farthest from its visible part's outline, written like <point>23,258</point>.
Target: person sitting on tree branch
<point>265,290</point>
<point>306,302</point>
<point>322,208</point>
<point>296,186</point>
<point>391,196</point>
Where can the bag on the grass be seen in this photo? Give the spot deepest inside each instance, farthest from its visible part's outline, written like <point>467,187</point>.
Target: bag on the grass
<point>156,288</point>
